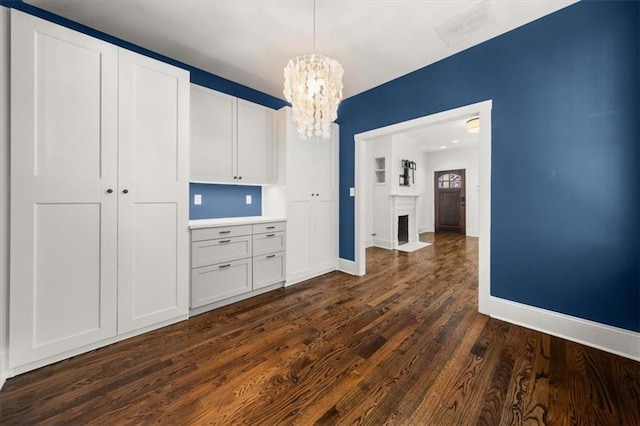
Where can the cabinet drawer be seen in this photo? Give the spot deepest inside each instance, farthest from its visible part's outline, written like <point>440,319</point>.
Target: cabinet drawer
<point>261,228</point>
<point>209,252</point>
<point>268,243</point>
<point>220,232</point>
<point>268,269</point>
<point>218,282</point>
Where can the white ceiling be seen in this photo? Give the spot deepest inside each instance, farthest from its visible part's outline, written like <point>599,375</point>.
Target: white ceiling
<point>250,41</point>
<point>433,138</point>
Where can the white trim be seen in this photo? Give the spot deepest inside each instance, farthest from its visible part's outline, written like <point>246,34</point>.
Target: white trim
<point>381,243</point>
<point>607,338</point>
<point>473,233</point>
<point>347,266</point>
<point>68,354</point>
<point>483,109</point>
<point>425,229</point>
<point>4,191</point>
<point>215,305</point>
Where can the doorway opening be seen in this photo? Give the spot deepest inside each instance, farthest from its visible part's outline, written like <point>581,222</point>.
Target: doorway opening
<point>483,111</point>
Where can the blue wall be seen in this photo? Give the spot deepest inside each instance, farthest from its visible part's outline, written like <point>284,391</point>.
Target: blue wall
<point>224,201</point>
<point>565,148</point>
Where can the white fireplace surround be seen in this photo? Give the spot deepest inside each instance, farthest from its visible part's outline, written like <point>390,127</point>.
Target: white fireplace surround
<point>404,205</point>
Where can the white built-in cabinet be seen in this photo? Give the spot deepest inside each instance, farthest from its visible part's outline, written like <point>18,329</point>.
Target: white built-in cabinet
<point>230,263</point>
<point>99,192</point>
<point>232,140</point>
<point>312,203</point>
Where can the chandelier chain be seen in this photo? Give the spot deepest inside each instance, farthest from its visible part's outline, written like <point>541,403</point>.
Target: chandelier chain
<point>313,86</point>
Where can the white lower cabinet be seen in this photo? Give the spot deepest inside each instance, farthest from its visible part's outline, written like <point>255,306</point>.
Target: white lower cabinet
<point>230,263</point>
<point>218,282</point>
<point>268,269</point>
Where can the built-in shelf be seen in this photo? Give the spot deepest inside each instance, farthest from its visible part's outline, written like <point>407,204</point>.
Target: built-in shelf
<point>380,169</point>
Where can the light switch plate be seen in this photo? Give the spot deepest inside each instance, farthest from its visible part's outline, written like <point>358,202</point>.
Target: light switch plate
<point>197,199</point>
<point>248,201</point>
<point>352,192</point>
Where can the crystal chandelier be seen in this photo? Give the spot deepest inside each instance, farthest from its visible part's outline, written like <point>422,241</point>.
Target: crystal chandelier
<point>313,86</point>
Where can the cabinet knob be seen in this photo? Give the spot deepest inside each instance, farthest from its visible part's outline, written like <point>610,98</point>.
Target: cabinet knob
<point>109,191</point>
<point>125,191</point>
<point>235,177</point>
<point>239,177</point>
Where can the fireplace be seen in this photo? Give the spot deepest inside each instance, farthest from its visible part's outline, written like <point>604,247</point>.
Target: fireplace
<point>403,229</point>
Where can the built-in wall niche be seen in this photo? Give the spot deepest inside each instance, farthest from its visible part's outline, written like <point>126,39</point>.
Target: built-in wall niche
<point>379,169</point>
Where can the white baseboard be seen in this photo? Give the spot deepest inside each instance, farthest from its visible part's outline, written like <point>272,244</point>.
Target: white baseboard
<point>385,244</point>
<point>425,229</point>
<point>12,372</point>
<point>347,266</point>
<point>605,337</point>
<point>473,233</point>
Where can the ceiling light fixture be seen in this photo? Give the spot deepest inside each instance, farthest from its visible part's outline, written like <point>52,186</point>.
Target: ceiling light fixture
<point>473,125</point>
<point>313,86</point>
<point>455,141</point>
<point>443,147</point>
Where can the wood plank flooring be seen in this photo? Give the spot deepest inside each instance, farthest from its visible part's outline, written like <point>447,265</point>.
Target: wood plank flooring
<point>403,345</point>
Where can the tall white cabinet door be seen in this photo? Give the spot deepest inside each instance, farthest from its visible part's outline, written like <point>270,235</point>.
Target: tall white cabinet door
<point>63,164</point>
<point>300,166</point>
<point>256,134</point>
<point>325,245</point>
<point>213,135</point>
<point>153,236</point>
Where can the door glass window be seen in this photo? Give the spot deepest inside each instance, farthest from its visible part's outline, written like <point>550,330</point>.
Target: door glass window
<point>450,180</point>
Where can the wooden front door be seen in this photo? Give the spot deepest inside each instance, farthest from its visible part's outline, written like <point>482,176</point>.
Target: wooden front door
<point>450,201</point>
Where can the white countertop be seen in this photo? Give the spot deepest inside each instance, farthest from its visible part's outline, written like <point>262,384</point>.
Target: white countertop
<point>225,221</point>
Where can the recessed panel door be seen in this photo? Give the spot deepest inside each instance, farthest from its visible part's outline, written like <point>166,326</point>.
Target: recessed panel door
<point>324,225</point>
<point>213,135</point>
<point>153,233</point>
<point>256,125</point>
<point>63,268</point>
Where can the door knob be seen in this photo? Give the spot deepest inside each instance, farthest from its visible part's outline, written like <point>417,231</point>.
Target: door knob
<point>125,191</point>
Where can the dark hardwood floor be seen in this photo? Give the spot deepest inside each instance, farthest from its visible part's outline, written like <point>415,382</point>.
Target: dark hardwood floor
<point>402,345</point>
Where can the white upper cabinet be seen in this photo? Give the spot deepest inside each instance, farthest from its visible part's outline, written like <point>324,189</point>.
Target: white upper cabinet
<point>213,135</point>
<point>256,143</point>
<point>232,140</point>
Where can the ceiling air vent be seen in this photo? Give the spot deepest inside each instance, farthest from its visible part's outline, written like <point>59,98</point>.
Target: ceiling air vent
<point>473,22</point>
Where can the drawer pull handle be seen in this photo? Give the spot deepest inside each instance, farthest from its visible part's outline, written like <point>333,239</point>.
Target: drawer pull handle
<point>270,256</point>
<point>224,266</point>
<point>271,235</point>
<point>224,232</point>
<point>224,241</point>
<point>271,227</point>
